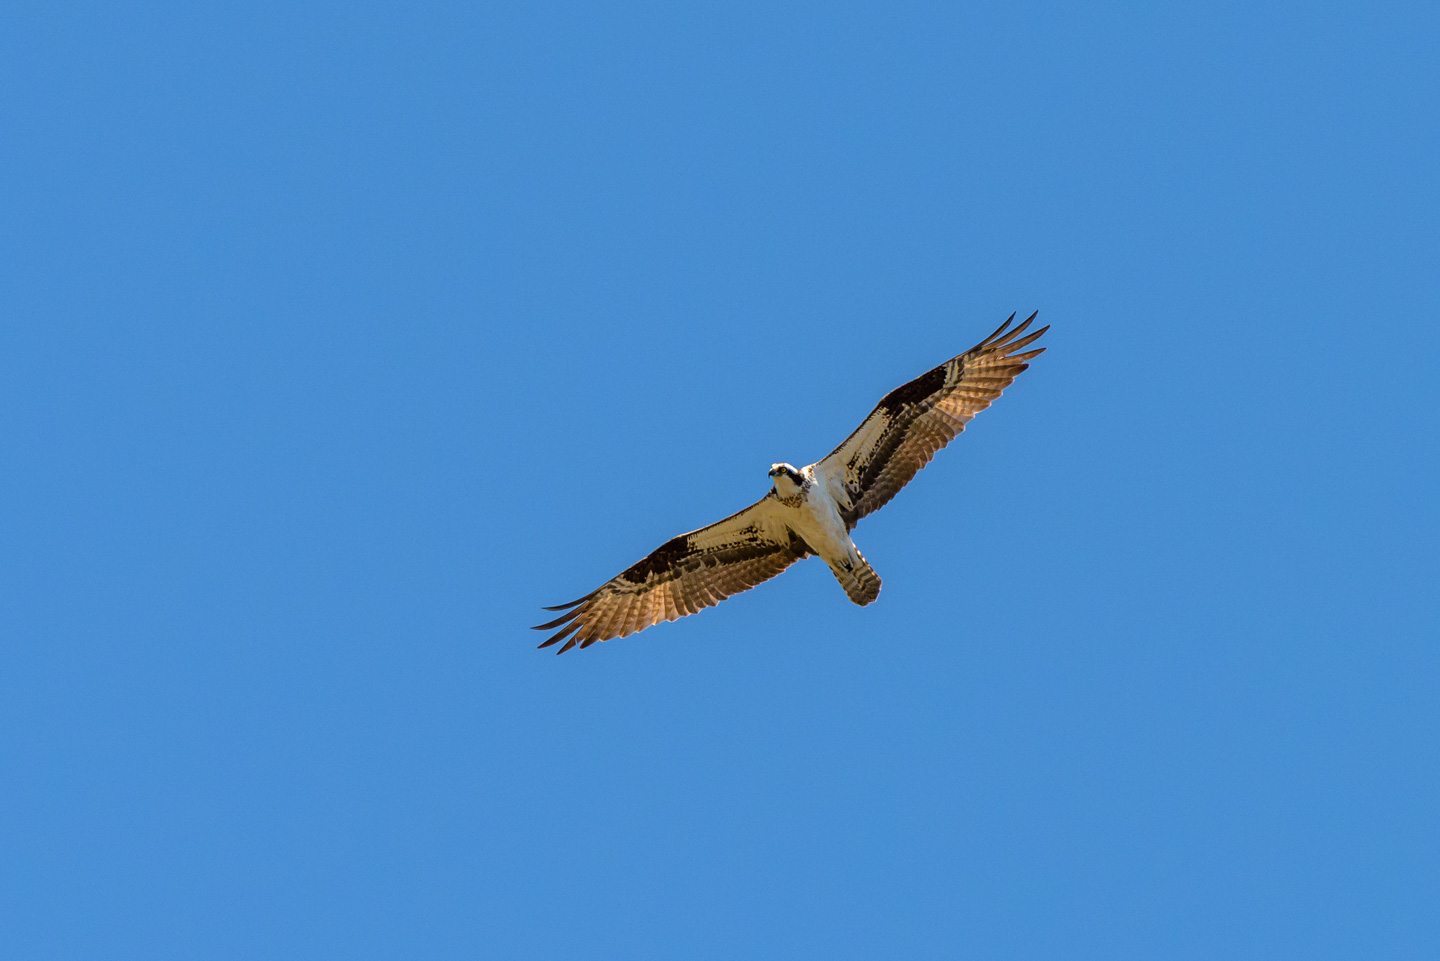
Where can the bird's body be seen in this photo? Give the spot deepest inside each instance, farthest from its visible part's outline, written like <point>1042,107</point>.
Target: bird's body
<point>808,510</point>
<point>813,513</point>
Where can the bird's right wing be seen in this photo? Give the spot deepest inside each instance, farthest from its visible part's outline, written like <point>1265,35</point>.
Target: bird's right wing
<point>915,420</point>
<point>681,576</point>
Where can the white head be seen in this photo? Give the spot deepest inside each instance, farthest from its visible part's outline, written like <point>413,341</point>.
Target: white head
<point>788,480</point>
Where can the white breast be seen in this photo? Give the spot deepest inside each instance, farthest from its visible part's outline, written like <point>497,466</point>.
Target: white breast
<point>817,520</point>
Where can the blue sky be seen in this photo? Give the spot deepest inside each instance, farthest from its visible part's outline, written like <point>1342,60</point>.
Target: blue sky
<point>342,337</point>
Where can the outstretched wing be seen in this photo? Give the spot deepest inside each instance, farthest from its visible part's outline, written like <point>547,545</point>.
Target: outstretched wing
<point>681,576</point>
<point>912,422</point>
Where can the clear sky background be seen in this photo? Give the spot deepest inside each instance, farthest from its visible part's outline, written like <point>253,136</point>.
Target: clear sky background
<point>338,338</point>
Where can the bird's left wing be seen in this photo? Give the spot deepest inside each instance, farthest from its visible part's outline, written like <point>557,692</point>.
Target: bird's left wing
<point>915,420</point>
<point>681,576</point>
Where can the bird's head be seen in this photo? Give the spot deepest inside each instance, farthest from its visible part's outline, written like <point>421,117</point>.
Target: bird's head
<point>786,478</point>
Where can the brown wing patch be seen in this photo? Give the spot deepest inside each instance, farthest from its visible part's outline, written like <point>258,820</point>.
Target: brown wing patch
<point>662,558</point>
<point>914,392</point>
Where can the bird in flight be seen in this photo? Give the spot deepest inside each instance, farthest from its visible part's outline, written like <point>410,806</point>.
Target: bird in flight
<point>808,510</point>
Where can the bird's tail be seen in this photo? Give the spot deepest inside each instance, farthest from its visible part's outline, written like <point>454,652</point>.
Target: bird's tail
<point>858,578</point>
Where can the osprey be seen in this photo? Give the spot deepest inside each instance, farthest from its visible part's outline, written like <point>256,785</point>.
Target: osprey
<point>808,510</point>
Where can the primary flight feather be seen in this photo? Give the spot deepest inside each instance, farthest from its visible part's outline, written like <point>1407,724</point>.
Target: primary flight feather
<point>807,511</point>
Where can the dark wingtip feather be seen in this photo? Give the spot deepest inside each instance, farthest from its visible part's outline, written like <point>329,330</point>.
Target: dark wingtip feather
<point>998,330</point>
<point>548,625</point>
<point>1024,342</point>
<point>558,636</point>
<point>1008,342</point>
<point>562,607</point>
